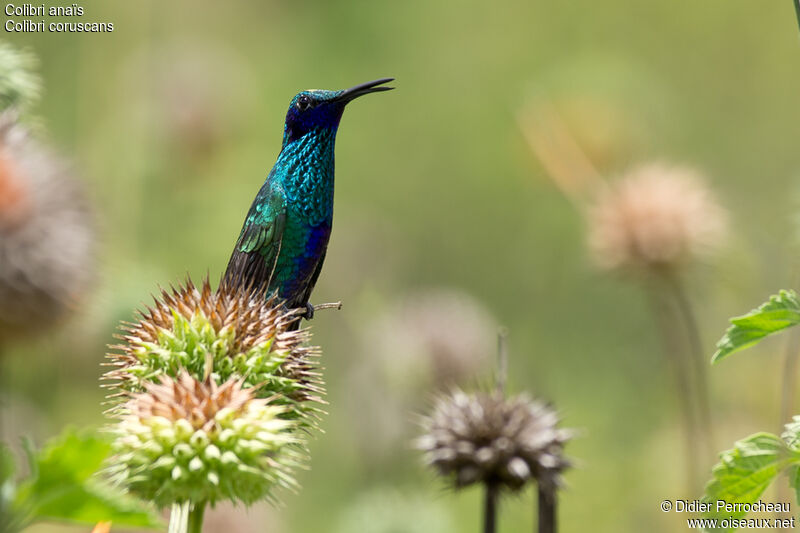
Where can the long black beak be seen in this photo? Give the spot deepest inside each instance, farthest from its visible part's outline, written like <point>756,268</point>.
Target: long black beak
<point>365,88</point>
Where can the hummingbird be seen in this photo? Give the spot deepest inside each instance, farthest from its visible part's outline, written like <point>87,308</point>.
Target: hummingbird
<point>285,235</point>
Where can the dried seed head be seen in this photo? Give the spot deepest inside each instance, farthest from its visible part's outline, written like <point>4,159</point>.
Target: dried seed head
<point>187,440</point>
<point>46,234</point>
<point>657,218</point>
<point>228,334</point>
<point>486,438</point>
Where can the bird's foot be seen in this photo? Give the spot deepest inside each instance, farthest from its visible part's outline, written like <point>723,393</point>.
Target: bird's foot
<point>309,314</point>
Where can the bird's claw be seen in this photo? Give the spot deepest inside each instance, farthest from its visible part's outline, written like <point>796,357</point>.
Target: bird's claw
<point>309,314</point>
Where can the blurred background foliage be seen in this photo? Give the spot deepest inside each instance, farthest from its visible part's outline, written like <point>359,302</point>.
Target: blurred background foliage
<point>174,119</point>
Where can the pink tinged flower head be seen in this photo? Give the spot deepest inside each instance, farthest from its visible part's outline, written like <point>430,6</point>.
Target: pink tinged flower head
<point>656,218</point>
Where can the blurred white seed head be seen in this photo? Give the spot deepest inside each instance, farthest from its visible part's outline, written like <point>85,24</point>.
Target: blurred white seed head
<point>431,339</point>
<point>47,236</point>
<point>439,335</point>
<point>655,218</point>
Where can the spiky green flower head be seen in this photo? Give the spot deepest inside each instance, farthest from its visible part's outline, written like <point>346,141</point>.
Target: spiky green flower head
<point>231,333</point>
<point>487,438</point>
<point>20,85</point>
<point>186,440</point>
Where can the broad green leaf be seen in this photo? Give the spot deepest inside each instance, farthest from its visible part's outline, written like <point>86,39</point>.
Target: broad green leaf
<point>780,312</point>
<point>66,488</point>
<point>745,471</point>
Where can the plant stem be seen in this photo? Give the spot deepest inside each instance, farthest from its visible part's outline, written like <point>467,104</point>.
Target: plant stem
<point>196,518</point>
<point>331,305</point>
<point>490,509</point>
<point>547,507</point>
<point>699,362</point>
<point>683,390</point>
<point>490,498</point>
<point>178,518</point>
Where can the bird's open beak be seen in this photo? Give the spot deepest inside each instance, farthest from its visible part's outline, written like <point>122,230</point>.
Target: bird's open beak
<point>365,88</point>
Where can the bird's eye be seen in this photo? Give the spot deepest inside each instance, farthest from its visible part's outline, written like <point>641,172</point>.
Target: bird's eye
<point>303,103</point>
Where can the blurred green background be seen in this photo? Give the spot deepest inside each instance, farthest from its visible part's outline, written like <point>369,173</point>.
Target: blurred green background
<point>175,118</point>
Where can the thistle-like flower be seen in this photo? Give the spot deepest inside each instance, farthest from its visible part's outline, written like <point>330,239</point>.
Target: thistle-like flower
<point>486,438</point>
<point>186,440</point>
<point>46,234</point>
<point>657,218</point>
<point>228,334</point>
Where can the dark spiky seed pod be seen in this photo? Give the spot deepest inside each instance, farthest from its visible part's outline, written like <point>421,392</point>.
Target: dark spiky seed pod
<point>486,438</point>
<point>188,440</point>
<point>231,333</point>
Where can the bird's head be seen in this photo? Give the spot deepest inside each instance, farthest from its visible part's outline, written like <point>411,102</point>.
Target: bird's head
<point>316,110</point>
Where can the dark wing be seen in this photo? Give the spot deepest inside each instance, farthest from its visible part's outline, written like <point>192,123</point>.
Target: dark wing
<point>313,281</point>
<point>256,251</point>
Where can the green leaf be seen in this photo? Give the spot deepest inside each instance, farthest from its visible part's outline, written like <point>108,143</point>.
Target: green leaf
<point>745,471</point>
<point>780,312</point>
<point>66,488</point>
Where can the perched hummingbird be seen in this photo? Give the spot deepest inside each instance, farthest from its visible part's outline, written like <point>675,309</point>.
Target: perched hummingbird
<point>285,235</point>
